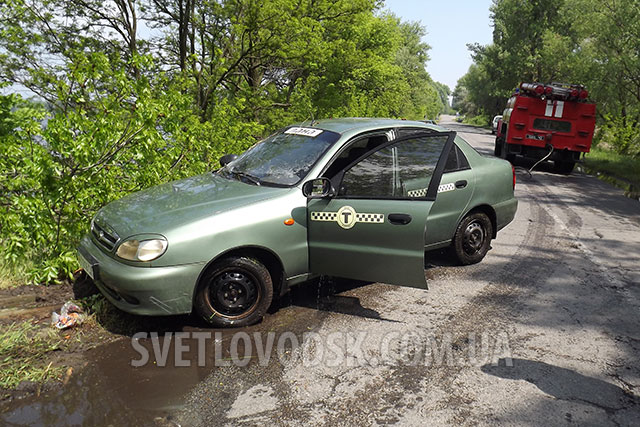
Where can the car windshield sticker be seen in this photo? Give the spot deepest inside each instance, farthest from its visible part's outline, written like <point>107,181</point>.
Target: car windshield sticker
<point>312,133</point>
<point>346,217</point>
<point>422,192</point>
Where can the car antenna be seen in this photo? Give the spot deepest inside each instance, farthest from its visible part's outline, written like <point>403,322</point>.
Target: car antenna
<point>312,119</point>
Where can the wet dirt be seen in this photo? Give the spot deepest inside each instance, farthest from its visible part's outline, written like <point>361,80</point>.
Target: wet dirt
<point>108,390</point>
<point>35,302</point>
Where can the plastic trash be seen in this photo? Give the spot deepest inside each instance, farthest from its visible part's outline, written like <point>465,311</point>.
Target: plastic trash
<point>70,315</point>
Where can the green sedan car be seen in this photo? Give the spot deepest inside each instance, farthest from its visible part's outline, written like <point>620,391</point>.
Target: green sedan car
<point>354,198</point>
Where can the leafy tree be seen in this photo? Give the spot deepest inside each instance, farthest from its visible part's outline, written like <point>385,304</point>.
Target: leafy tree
<point>609,63</point>
<point>133,94</point>
<point>594,43</point>
<point>443,92</point>
<point>127,134</point>
<point>523,32</point>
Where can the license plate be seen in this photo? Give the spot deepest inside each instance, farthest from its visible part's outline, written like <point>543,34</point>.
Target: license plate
<point>86,265</point>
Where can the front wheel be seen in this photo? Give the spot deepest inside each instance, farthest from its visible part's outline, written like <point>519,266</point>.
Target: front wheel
<point>236,291</point>
<point>472,239</point>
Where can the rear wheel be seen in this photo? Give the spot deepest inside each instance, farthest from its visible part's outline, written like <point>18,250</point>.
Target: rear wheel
<point>564,168</point>
<point>472,239</point>
<point>504,153</point>
<point>508,156</point>
<point>236,291</point>
<point>497,148</point>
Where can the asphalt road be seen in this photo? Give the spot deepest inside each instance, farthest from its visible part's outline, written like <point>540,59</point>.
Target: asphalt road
<point>545,331</point>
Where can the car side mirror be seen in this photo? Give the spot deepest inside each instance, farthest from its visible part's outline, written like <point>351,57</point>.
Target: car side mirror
<point>227,158</point>
<point>318,188</point>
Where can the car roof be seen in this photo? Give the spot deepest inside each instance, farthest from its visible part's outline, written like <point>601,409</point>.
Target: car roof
<point>350,124</point>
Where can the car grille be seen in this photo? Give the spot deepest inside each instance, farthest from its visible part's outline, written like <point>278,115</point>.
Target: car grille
<point>106,239</point>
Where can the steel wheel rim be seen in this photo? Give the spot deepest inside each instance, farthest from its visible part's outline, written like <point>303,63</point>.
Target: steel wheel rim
<point>233,293</point>
<point>474,238</point>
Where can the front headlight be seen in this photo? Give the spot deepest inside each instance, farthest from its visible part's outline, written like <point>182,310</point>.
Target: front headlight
<point>142,250</point>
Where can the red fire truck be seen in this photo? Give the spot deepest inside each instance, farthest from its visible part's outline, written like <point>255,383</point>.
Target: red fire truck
<point>552,122</point>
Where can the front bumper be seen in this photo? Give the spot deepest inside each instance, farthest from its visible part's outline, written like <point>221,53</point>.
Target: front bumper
<point>142,290</point>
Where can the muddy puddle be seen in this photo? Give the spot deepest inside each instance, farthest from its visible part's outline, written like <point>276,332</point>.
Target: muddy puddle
<point>18,307</point>
<point>108,391</point>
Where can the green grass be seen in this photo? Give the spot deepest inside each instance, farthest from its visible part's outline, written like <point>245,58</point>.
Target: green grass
<point>481,121</point>
<point>24,349</point>
<point>614,164</point>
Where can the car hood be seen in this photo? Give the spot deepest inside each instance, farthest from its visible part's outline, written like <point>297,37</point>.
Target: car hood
<point>164,207</point>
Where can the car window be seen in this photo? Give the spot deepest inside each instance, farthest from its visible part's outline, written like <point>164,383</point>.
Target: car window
<point>452,161</point>
<point>400,170</point>
<point>404,132</point>
<point>456,160</point>
<point>463,163</point>
<point>282,159</point>
<point>354,150</point>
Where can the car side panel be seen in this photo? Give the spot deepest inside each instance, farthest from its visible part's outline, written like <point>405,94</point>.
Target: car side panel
<point>257,225</point>
<point>493,184</point>
<point>451,203</point>
<point>494,187</point>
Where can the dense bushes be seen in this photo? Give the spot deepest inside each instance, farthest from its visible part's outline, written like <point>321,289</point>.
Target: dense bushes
<point>123,105</point>
<point>59,167</point>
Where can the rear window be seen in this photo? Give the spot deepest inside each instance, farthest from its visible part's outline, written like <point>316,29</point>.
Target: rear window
<point>552,125</point>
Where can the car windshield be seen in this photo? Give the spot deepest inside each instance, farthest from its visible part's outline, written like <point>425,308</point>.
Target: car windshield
<point>283,159</point>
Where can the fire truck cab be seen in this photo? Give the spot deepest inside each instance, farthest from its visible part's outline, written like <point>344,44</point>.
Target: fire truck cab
<point>554,121</point>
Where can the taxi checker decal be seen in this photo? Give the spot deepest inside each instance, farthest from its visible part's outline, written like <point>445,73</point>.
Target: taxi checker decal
<point>346,217</point>
<point>443,188</point>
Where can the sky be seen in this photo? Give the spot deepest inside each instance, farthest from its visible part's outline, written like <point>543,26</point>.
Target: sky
<point>450,26</point>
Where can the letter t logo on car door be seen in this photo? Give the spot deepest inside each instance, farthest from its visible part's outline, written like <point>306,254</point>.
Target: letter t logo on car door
<point>346,217</point>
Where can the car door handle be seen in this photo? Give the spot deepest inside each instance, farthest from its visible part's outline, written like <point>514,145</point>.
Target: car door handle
<point>399,219</point>
<point>461,184</point>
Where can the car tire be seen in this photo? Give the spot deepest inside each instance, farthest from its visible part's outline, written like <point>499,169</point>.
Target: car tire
<point>472,239</point>
<point>235,291</point>
<point>83,286</point>
<point>497,149</point>
<point>564,168</point>
<point>504,153</point>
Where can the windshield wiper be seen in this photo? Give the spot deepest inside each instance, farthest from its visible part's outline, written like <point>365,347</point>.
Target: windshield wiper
<point>247,176</point>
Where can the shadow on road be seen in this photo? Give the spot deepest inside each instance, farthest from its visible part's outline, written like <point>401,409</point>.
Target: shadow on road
<point>579,192</point>
<point>324,294</point>
<point>439,258</point>
<point>562,383</point>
